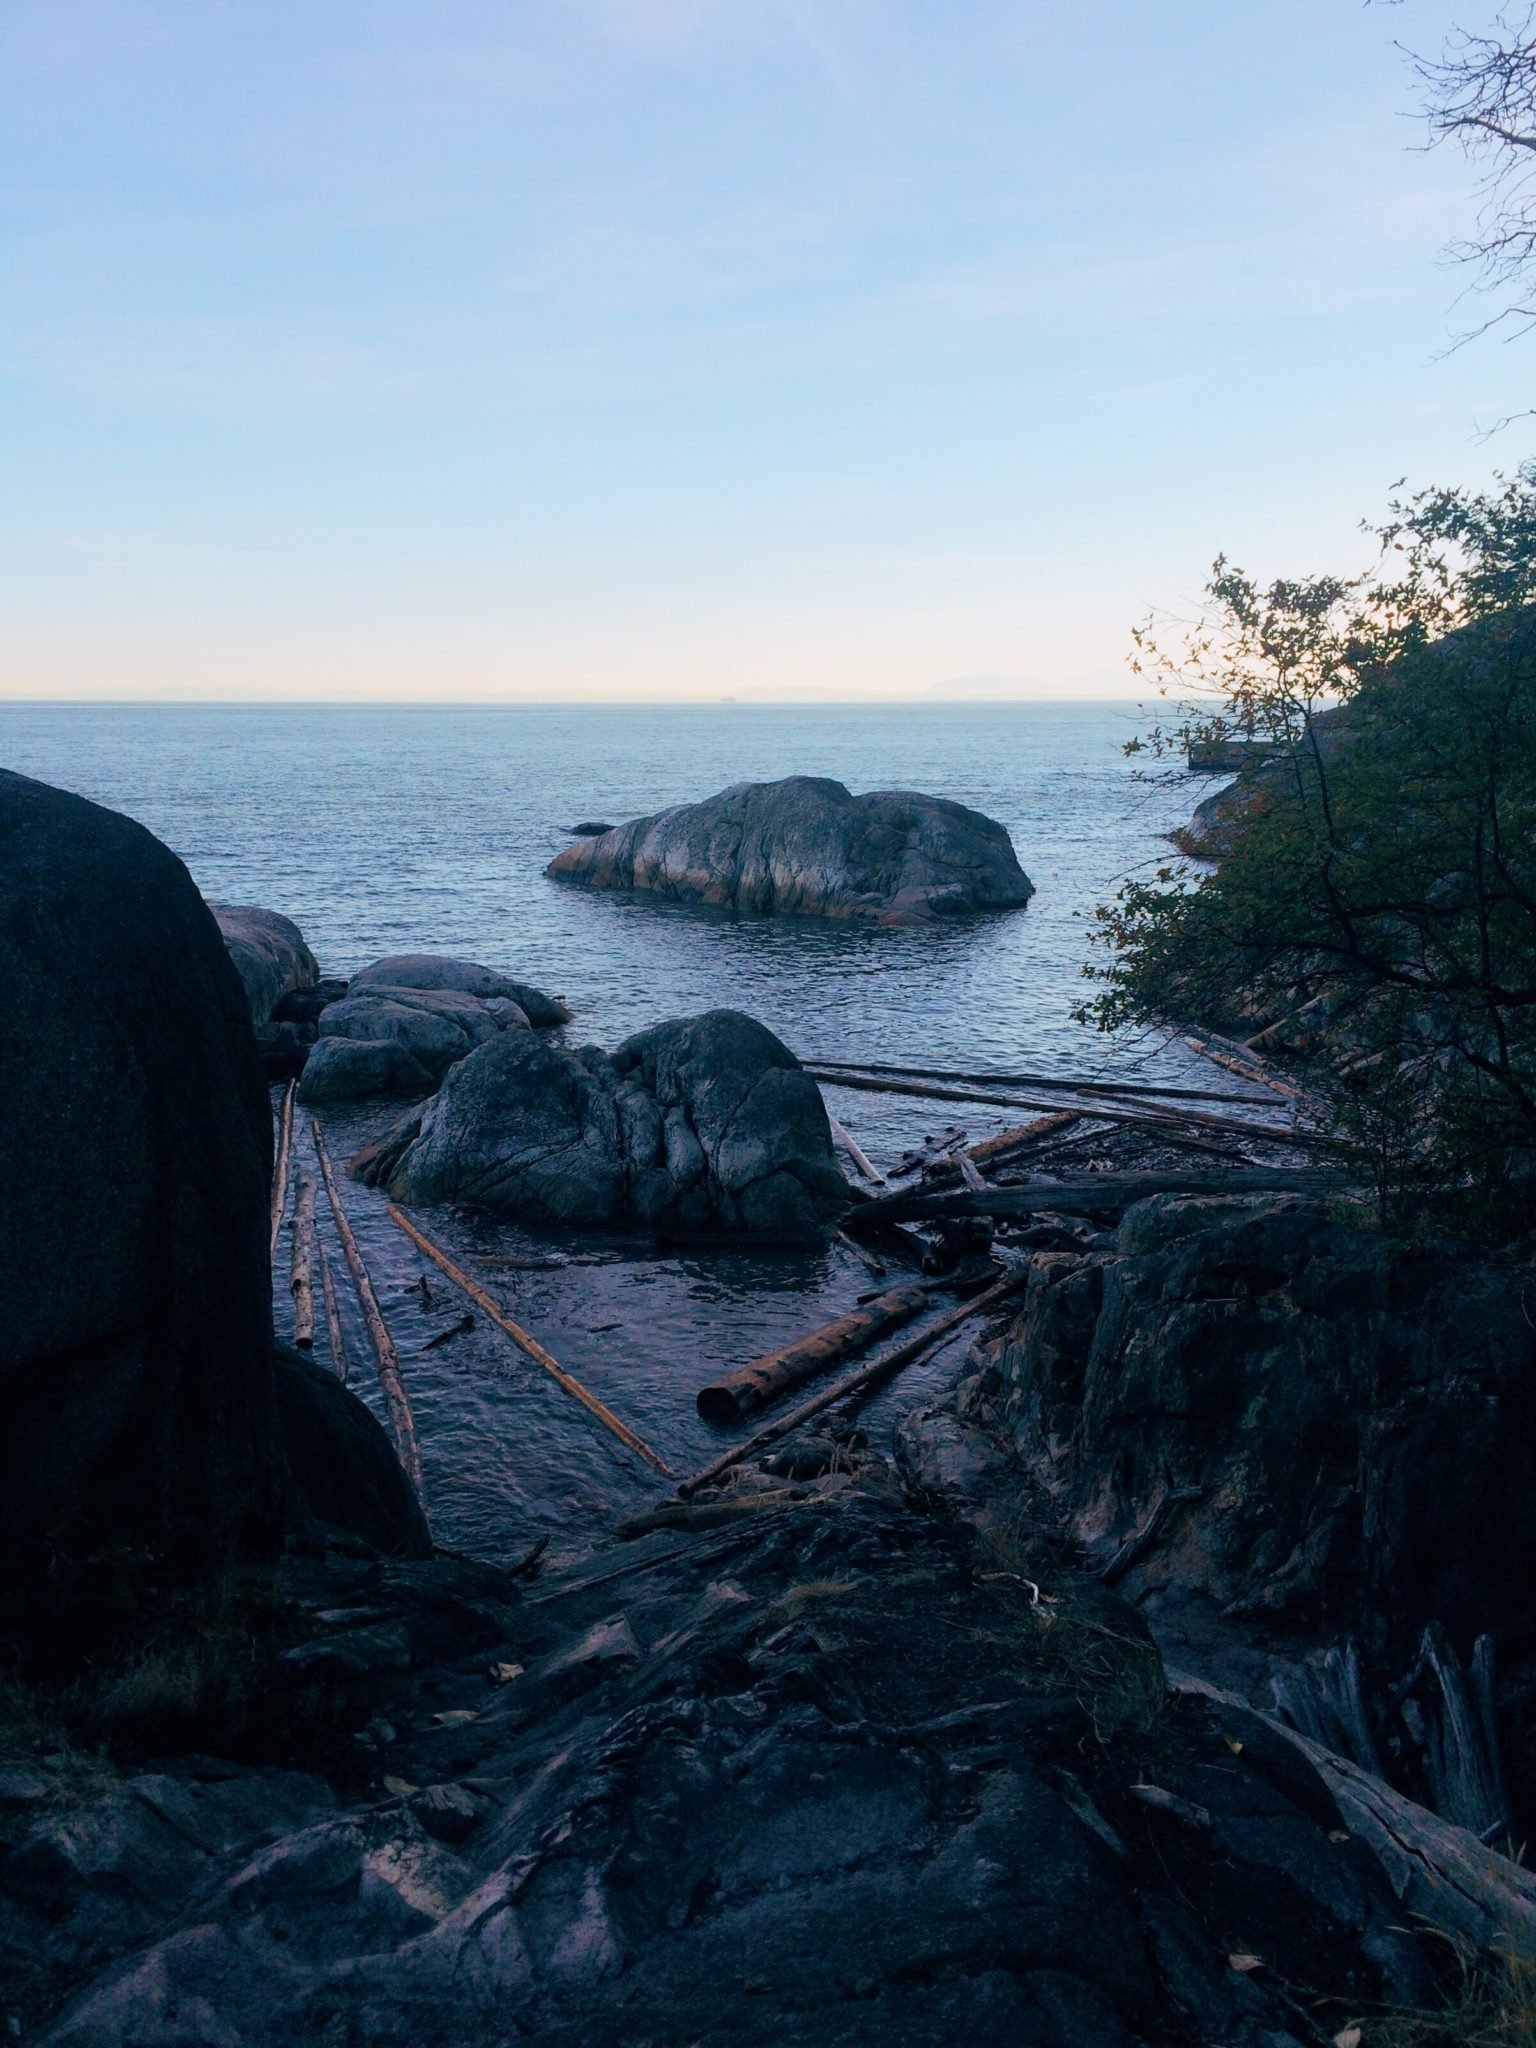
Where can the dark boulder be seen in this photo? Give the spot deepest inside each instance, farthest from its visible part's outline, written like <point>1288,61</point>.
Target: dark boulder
<point>136,1395</point>
<point>702,1125</point>
<point>806,847</point>
<point>341,1463</point>
<point>405,1021</point>
<point>1355,1418</point>
<point>269,953</point>
<point>461,977</point>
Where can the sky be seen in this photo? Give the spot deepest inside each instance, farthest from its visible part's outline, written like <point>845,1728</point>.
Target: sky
<point>607,349</point>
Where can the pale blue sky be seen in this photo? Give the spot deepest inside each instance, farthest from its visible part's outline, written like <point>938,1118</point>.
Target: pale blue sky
<point>602,348</point>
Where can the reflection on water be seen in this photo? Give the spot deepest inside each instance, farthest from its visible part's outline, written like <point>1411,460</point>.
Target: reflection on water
<point>385,830</point>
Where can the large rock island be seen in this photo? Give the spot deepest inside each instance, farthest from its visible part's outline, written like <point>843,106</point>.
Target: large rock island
<point>807,847</point>
<point>701,1125</point>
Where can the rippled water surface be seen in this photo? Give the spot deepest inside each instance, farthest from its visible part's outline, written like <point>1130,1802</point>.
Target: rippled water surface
<point>384,830</point>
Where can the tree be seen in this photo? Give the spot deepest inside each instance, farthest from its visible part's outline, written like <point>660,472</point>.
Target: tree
<point>1377,890</point>
<point>1480,95</point>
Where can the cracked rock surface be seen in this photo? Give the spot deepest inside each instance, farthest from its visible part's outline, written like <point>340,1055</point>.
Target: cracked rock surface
<point>701,1125</point>
<point>805,846</point>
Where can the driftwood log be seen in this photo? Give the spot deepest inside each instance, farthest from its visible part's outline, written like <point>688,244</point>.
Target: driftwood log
<point>1086,1194</point>
<point>401,1420</point>
<point>332,1318</point>
<point>1150,1117</point>
<point>860,1382</point>
<point>1050,1081</point>
<point>526,1343</point>
<point>280,1163</point>
<point>301,1272</point>
<point>765,1379</point>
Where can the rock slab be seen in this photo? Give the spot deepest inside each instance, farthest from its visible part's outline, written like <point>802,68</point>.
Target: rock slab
<point>807,847</point>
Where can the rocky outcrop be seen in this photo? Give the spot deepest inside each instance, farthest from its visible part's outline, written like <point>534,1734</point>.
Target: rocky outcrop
<point>703,1125</point>
<point>1266,777</point>
<point>136,1394</point>
<point>269,953</point>
<point>806,847</point>
<point>832,1777</point>
<point>1342,1424</point>
<point>404,1022</point>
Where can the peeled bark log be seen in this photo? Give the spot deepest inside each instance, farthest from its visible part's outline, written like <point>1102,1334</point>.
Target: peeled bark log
<point>754,1386</point>
<point>860,1158</point>
<point>520,1337</point>
<point>395,1398</point>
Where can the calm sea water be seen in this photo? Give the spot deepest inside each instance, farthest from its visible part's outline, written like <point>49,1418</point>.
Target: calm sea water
<point>393,829</point>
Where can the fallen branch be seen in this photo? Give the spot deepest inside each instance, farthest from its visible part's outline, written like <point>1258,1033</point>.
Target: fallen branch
<point>520,1337</point>
<point>867,1376</point>
<point>301,1284</point>
<point>1086,1194</point>
<point>401,1419</point>
<point>280,1164</point>
<point>755,1385</point>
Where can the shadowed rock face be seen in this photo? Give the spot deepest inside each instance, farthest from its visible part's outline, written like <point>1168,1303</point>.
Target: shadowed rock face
<point>806,847</point>
<point>269,953</point>
<point>136,1397</point>
<point>460,977</point>
<point>706,1124</point>
<point>828,1779</point>
<point>1358,1418</point>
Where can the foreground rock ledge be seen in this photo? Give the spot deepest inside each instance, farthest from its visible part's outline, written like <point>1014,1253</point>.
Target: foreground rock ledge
<point>807,847</point>
<point>829,1774</point>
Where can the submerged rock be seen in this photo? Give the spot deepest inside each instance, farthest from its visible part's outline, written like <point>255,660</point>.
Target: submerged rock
<point>806,847</point>
<point>705,1124</point>
<point>136,1395</point>
<point>269,953</point>
<point>404,1022</point>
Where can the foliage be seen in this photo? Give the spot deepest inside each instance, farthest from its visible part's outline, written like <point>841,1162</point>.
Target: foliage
<point>1376,891</point>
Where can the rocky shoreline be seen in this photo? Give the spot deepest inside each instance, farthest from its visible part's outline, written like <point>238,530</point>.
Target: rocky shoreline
<point>1164,1683</point>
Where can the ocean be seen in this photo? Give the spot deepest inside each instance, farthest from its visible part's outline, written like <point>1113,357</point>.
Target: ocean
<point>387,829</point>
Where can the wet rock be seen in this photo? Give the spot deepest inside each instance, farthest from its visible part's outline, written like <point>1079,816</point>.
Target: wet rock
<point>405,1021</point>
<point>269,953</point>
<point>707,1124</point>
<point>1355,1417</point>
<point>806,847</point>
<point>136,1395</point>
